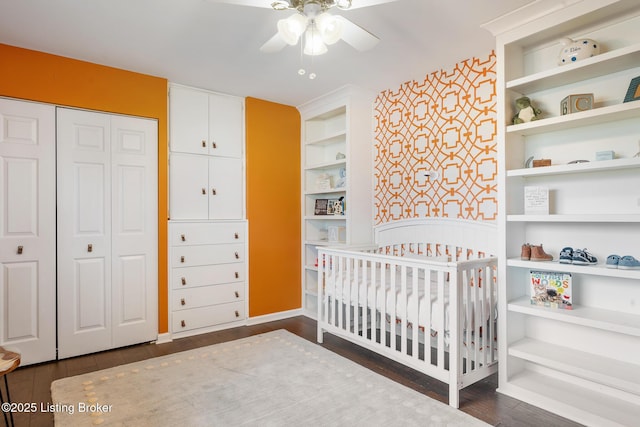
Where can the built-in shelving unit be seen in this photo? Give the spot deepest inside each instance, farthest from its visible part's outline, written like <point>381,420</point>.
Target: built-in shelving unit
<point>336,166</point>
<point>580,363</point>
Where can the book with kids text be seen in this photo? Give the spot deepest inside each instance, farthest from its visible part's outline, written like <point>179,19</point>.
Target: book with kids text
<point>551,289</point>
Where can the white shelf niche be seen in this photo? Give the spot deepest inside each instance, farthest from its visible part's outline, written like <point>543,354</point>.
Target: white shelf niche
<point>608,320</point>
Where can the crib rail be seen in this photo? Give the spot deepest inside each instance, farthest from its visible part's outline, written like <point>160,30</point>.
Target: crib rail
<point>433,315</point>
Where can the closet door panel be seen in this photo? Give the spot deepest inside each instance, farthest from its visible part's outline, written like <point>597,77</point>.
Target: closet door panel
<point>21,321</point>
<point>84,229</point>
<point>27,229</point>
<point>90,295</point>
<point>21,191</point>
<point>134,232</point>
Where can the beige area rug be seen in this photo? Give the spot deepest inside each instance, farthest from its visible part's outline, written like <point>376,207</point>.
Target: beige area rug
<point>272,379</point>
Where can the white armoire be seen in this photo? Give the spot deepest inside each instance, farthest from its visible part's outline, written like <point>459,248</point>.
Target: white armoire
<point>93,258</point>
<point>208,229</point>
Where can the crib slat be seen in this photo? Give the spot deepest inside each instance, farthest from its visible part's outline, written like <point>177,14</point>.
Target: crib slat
<point>415,309</point>
<point>455,358</point>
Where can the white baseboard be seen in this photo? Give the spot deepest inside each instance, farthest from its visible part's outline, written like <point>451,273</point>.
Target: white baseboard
<point>274,316</point>
<point>164,338</point>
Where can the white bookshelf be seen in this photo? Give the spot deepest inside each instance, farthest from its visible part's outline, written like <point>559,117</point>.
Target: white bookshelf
<point>581,363</point>
<point>337,135</point>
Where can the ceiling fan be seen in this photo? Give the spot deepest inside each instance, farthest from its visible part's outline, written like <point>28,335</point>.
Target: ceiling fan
<point>313,21</point>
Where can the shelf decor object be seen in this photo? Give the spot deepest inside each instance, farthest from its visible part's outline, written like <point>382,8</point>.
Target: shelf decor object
<point>633,93</point>
<point>536,200</point>
<point>575,103</point>
<point>575,50</point>
<point>581,364</point>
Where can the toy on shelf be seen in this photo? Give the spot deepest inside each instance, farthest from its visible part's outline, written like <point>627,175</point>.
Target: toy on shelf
<point>526,112</point>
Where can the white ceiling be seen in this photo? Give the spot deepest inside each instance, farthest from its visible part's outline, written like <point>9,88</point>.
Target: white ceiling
<point>216,45</point>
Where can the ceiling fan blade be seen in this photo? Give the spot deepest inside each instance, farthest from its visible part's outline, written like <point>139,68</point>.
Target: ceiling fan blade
<point>252,3</point>
<point>274,44</point>
<point>357,36</point>
<point>366,3</point>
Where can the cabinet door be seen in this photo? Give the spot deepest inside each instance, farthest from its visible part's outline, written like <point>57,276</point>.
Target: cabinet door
<point>27,230</point>
<point>84,229</point>
<point>189,114</point>
<point>188,186</point>
<point>226,188</point>
<point>226,126</point>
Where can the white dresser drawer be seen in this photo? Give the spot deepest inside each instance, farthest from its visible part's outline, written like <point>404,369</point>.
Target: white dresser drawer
<point>189,277</point>
<point>187,256</point>
<point>184,234</point>
<point>201,317</point>
<point>185,299</point>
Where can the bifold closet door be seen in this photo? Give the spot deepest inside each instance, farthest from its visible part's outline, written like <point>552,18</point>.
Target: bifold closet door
<point>27,230</point>
<point>107,231</point>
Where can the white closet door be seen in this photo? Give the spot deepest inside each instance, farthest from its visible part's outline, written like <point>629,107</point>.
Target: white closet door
<point>27,230</point>
<point>84,230</point>
<point>225,181</point>
<point>134,230</point>
<point>107,231</point>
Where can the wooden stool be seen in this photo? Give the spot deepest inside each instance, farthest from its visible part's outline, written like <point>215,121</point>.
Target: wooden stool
<point>9,361</point>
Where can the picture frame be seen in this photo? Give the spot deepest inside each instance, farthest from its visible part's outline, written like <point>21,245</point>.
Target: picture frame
<point>321,206</point>
<point>633,93</point>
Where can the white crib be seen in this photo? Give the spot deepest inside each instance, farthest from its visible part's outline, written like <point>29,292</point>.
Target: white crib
<point>424,295</point>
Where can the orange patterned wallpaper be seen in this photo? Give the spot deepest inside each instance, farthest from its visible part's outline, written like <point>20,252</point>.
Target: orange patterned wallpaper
<point>447,124</point>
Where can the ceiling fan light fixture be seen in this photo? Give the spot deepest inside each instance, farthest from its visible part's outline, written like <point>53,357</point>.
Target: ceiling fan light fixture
<point>291,28</point>
<point>280,5</point>
<point>330,28</point>
<point>313,45</point>
<point>343,4</point>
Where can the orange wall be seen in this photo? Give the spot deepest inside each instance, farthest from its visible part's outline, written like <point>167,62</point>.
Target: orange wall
<point>273,206</point>
<point>37,76</point>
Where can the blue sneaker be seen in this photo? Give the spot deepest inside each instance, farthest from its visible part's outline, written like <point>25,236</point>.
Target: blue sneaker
<point>612,261</point>
<point>582,257</point>
<point>628,262</point>
<point>566,255</point>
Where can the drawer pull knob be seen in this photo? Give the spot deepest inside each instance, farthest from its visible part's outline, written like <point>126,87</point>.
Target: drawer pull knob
<point>237,313</point>
<point>204,191</point>
<point>183,238</point>
<point>237,236</point>
<point>214,145</point>
<point>237,294</point>
<point>182,301</point>
<point>237,255</point>
<point>89,247</point>
<point>213,191</point>
<point>182,258</point>
<point>237,275</point>
<point>204,144</point>
<point>20,248</point>
<point>184,281</point>
<point>183,323</point>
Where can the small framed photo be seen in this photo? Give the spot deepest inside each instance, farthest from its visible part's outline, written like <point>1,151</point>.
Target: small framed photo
<point>633,93</point>
<point>331,206</point>
<point>321,207</point>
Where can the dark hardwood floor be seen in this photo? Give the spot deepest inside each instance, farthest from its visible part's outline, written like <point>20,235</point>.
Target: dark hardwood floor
<point>31,384</point>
